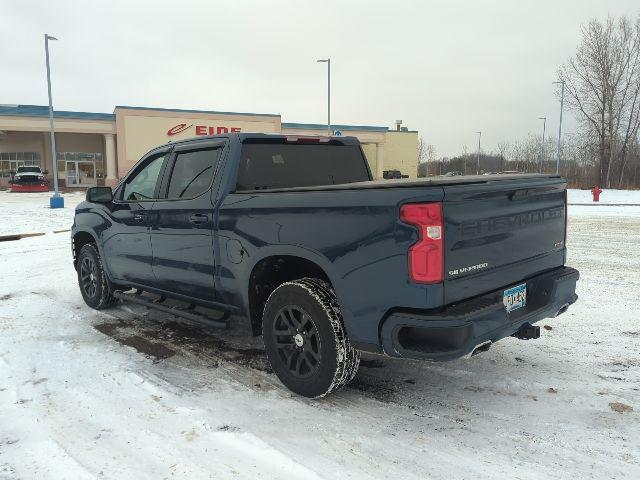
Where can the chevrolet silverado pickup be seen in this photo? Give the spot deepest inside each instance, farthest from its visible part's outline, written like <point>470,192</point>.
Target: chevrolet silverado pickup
<point>293,234</point>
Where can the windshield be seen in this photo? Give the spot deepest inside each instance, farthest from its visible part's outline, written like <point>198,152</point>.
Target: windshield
<point>29,170</point>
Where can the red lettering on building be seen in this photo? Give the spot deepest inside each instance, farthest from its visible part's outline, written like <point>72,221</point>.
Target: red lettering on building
<point>181,127</point>
<point>202,130</point>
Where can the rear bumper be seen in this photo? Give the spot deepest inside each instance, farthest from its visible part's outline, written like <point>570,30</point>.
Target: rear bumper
<point>456,331</point>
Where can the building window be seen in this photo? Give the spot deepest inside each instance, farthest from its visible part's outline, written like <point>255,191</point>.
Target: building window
<point>95,158</point>
<point>80,168</point>
<point>10,161</point>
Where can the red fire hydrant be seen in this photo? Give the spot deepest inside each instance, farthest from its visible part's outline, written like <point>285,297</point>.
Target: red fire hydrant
<point>596,191</point>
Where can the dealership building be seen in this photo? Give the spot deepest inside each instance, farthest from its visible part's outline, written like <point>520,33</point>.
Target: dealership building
<point>100,148</point>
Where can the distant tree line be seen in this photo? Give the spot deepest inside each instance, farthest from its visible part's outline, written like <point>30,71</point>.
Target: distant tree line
<point>602,89</point>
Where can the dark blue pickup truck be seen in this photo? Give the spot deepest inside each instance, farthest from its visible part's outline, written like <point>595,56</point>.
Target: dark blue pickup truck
<point>293,234</point>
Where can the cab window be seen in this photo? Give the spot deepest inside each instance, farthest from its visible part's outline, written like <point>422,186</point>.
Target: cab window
<point>142,185</point>
<point>286,165</point>
<point>192,173</point>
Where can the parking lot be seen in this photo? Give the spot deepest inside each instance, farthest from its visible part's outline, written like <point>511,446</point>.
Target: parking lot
<point>130,393</point>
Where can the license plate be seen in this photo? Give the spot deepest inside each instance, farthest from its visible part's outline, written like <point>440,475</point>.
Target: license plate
<point>515,297</point>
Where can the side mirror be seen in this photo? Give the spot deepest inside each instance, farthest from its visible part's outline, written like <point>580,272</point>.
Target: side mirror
<point>99,195</point>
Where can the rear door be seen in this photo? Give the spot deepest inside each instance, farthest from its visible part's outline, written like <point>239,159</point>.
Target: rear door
<point>182,225</point>
<point>501,232</point>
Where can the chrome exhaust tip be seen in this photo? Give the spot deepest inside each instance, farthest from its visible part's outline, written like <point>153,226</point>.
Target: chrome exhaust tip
<point>562,309</point>
<point>481,347</point>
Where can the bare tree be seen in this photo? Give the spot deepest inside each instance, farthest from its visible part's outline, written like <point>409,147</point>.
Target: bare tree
<point>465,155</point>
<point>503,151</point>
<point>426,156</point>
<point>603,86</point>
<point>430,154</point>
<point>421,150</point>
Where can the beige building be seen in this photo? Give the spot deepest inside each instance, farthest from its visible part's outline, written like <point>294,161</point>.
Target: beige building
<point>99,148</point>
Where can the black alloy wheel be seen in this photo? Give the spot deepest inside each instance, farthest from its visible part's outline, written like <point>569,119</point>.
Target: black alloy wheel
<point>89,276</point>
<point>305,340</point>
<point>92,278</point>
<point>297,341</point>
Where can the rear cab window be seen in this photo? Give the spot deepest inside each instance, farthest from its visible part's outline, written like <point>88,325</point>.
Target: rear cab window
<point>192,173</point>
<point>287,165</point>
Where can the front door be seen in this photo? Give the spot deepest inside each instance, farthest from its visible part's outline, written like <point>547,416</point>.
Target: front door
<point>80,173</point>
<point>72,174</point>
<point>182,228</point>
<point>127,243</point>
<point>86,173</point>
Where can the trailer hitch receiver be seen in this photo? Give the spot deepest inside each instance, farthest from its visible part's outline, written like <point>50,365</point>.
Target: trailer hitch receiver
<point>527,332</point>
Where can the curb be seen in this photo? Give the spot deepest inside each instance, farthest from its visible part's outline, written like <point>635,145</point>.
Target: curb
<point>19,236</point>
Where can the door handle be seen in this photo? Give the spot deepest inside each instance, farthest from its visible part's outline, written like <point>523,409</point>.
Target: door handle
<point>198,218</point>
<point>138,217</point>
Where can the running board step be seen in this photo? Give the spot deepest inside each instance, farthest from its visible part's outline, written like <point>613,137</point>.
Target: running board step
<point>187,313</point>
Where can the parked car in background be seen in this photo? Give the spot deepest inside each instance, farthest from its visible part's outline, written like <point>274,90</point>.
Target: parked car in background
<point>505,172</point>
<point>393,174</point>
<point>29,179</point>
<point>293,233</point>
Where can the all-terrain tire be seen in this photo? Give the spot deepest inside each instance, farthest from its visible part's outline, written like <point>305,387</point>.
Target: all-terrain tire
<point>92,279</point>
<point>321,360</point>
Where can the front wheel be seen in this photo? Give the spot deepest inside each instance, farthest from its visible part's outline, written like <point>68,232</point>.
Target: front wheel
<point>92,278</point>
<point>305,339</point>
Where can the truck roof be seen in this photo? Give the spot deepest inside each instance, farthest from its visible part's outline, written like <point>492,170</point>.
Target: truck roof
<point>243,137</point>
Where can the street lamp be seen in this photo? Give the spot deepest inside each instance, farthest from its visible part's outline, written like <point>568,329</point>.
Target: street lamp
<point>544,130</point>
<point>56,201</point>
<point>561,82</point>
<point>328,62</point>
<point>478,154</point>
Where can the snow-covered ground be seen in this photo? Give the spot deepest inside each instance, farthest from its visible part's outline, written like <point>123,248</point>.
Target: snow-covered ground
<point>613,203</point>
<point>30,212</point>
<point>127,393</point>
<point>608,196</point>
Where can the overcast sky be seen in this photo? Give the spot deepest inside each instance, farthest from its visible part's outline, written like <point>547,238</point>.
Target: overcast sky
<point>446,68</point>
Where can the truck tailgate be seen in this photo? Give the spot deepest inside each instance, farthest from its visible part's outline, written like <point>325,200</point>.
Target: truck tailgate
<point>501,232</point>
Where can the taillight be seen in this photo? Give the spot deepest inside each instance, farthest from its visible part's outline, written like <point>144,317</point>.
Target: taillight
<point>426,256</point>
<point>292,139</point>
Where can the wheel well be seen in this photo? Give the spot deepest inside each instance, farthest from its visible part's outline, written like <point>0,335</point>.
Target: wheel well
<point>80,239</point>
<point>271,272</point>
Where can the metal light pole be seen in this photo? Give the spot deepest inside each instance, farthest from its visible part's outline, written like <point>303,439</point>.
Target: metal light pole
<point>561,82</point>
<point>478,154</point>
<point>56,201</point>
<point>544,130</point>
<point>328,62</point>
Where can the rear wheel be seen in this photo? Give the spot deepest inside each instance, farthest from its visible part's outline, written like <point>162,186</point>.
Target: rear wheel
<point>305,339</point>
<point>92,278</point>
